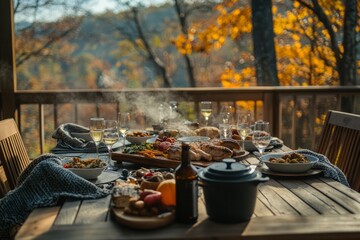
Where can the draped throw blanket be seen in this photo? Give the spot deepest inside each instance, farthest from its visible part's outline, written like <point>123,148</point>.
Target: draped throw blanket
<point>329,170</point>
<point>41,184</point>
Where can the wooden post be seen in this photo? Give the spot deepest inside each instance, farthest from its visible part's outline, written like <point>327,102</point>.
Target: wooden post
<point>7,60</point>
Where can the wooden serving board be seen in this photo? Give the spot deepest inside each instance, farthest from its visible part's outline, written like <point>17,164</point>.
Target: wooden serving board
<point>155,162</point>
<point>138,222</point>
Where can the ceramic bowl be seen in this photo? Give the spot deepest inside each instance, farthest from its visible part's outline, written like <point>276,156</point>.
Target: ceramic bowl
<point>87,173</point>
<point>138,140</point>
<point>289,167</point>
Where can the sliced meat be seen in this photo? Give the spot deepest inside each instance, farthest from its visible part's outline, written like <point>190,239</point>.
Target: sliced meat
<point>218,153</point>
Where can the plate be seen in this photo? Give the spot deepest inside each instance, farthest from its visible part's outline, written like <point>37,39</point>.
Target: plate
<point>288,167</point>
<point>241,156</point>
<point>310,172</point>
<point>138,222</point>
<point>249,146</point>
<point>194,139</point>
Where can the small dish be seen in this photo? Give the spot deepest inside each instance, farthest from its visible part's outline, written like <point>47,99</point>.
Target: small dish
<point>288,167</point>
<point>138,140</point>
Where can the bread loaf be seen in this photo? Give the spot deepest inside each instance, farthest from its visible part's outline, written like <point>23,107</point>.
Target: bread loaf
<point>122,192</point>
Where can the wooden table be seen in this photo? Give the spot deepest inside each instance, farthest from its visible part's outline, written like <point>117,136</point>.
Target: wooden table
<point>287,208</point>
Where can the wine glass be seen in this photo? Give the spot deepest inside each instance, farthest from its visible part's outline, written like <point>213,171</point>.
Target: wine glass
<point>226,114</point>
<point>124,119</point>
<point>206,110</point>
<point>96,131</point>
<point>243,127</point>
<point>261,137</point>
<point>110,137</point>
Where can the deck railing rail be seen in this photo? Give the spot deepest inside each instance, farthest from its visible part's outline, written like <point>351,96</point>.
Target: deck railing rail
<point>294,112</point>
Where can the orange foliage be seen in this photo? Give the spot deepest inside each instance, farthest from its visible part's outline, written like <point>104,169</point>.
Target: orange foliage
<point>303,50</point>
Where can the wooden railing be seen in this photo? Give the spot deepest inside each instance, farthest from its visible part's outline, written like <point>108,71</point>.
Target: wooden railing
<point>294,112</point>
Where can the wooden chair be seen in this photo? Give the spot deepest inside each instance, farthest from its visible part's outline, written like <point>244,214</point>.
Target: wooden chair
<point>13,155</point>
<point>340,142</point>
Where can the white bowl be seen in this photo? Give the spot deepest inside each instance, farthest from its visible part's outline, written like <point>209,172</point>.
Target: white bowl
<point>288,167</point>
<point>138,140</point>
<point>87,173</point>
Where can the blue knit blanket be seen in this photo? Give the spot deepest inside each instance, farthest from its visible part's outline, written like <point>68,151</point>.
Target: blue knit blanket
<point>329,170</point>
<point>41,184</point>
<point>66,143</point>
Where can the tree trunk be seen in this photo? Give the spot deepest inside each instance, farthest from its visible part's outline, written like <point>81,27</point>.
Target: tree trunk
<point>156,61</point>
<point>263,42</point>
<point>348,63</point>
<point>182,19</point>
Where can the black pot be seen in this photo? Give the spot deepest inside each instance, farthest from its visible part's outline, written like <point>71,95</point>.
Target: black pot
<point>230,190</point>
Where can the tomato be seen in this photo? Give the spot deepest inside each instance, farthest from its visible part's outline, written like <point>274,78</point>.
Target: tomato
<point>66,165</point>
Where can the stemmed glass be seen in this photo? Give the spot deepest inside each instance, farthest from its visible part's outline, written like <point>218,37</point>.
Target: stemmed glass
<point>96,131</point>
<point>243,127</point>
<point>206,110</point>
<point>124,120</point>
<point>226,114</point>
<point>261,137</point>
<point>110,137</point>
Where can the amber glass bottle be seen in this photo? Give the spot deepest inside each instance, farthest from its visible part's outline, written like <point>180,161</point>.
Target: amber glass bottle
<point>186,189</point>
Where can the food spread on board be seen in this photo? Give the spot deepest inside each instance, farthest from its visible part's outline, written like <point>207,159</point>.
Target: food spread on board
<point>169,147</point>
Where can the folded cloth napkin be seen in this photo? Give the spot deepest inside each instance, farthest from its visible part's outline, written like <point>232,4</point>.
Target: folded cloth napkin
<point>66,143</point>
<point>41,184</point>
<point>277,143</point>
<point>329,170</point>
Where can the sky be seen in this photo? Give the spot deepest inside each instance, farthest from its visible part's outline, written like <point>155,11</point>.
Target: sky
<point>93,6</point>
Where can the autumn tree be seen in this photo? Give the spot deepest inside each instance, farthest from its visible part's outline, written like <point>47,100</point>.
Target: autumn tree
<point>39,31</point>
<point>306,52</point>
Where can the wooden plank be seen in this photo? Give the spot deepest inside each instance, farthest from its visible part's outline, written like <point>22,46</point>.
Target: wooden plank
<point>342,188</point>
<point>292,199</point>
<point>93,210</point>
<point>39,221</point>
<point>279,227</point>
<point>68,212</point>
<point>272,200</point>
<point>317,200</point>
<point>261,209</point>
<point>337,196</point>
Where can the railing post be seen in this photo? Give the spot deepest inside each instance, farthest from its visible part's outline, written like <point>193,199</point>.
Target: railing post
<point>269,102</point>
<point>7,60</point>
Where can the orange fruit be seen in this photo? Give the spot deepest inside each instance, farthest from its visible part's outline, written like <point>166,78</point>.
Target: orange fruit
<point>168,192</point>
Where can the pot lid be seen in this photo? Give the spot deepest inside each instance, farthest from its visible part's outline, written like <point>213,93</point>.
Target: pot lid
<point>228,170</point>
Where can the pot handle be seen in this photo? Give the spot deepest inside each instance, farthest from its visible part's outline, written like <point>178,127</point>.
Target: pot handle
<point>263,179</point>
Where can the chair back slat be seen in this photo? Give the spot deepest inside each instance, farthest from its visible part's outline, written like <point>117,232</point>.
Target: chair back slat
<point>13,154</point>
<point>340,142</point>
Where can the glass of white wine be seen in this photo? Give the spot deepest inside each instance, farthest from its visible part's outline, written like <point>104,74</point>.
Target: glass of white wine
<point>96,131</point>
<point>261,137</point>
<point>206,110</point>
<point>110,137</point>
<point>243,127</point>
<point>124,120</point>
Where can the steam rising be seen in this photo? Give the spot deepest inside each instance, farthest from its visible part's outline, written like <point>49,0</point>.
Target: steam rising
<point>149,109</point>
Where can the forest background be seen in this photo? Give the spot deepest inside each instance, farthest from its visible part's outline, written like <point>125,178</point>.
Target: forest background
<point>233,43</point>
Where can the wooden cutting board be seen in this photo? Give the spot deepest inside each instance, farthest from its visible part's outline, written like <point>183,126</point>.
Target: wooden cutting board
<point>155,162</point>
<point>138,222</point>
